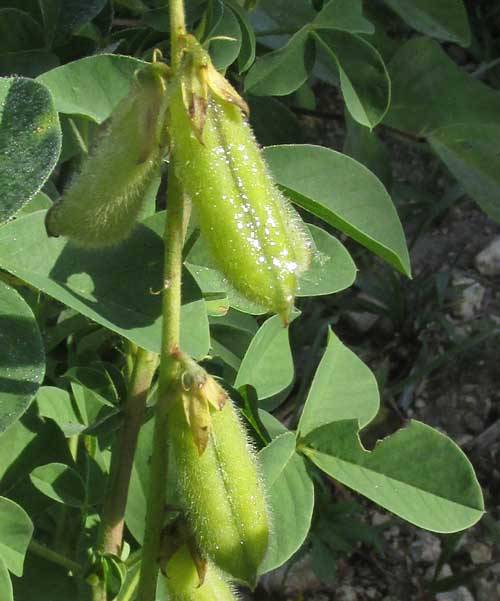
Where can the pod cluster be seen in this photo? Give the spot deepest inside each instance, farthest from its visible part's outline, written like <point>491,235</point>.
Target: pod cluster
<point>261,245</point>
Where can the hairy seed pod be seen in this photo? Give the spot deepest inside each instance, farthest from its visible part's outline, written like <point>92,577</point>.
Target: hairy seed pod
<point>182,580</point>
<point>222,491</point>
<point>102,202</point>
<point>256,238</point>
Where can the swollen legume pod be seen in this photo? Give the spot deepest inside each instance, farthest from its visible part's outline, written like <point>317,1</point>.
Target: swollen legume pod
<point>221,491</point>
<point>256,238</point>
<point>102,202</point>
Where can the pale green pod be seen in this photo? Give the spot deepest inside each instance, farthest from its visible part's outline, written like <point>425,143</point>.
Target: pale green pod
<point>103,200</point>
<point>182,582</point>
<point>222,492</point>
<point>256,237</point>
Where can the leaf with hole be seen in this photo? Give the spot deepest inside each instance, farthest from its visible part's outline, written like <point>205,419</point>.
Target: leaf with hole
<point>417,473</point>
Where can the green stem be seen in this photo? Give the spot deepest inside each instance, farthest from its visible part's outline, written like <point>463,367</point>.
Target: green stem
<point>172,270</point>
<point>113,515</point>
<point>177,29</point>
<point>54,557</point>
<point>166,386</point>
<point>62,540</point>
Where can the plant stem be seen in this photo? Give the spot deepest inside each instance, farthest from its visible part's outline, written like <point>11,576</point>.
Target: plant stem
<point>172,271</point>
<point>54,557</point>
<point>177,29</point>
<point>113,514</point>
<point>166,386</point>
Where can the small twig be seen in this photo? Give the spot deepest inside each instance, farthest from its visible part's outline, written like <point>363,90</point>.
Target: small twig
<point>61,560</point>
<point>126,22</point>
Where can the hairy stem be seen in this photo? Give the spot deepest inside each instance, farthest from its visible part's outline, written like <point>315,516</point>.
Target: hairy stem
<point>166,386</point>
<point>113,515</point>
<point>172,270</point>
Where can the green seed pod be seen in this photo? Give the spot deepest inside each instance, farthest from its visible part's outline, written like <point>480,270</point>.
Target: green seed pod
<point>221,490</point>
<point>182,580</point>
<point>102,202</point>
<point>256,238</point>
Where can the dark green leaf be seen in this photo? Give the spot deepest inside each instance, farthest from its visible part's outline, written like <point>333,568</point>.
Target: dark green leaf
<point>118,288</point>
<point>28,64</point>
<point>63,17</point>
<point>364,146</point>
<point>344,194</point>
<point>471,151</point>
<point>22,358</point>
<point>445,19</point>
<point>417,473</point>
<point>27,444</point>
<point>323,562</point>
<point>60,483</point>
<point>364,79</point>
<point>30,141</point>
<point>15,534</point>
<point>346,15</point>
<point>91,390</point>
<point>430,91</point>
<point>283,14</point>
<point>52,582</point>
<point>231,338</point>
<point>284,70</point>
<point>343,388</point>
<point>19,31</point>
<point>273,122</point>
